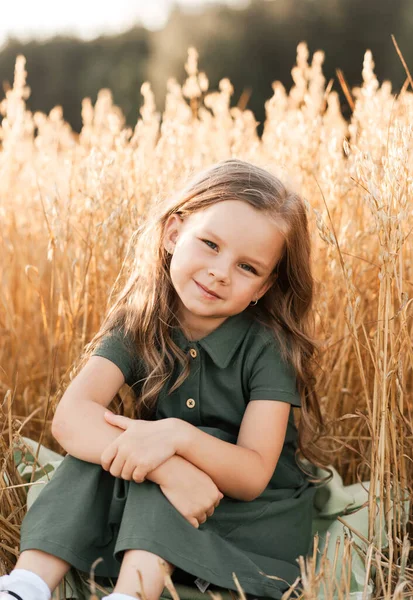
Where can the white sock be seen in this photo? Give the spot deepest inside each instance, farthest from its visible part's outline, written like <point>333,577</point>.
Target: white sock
<point>27,584</point>
<point>118,596</point>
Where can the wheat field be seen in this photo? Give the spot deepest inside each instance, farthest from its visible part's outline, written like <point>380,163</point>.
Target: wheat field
<point>70,202</point>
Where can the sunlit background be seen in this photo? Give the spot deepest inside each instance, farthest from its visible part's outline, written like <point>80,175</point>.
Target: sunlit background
<point>75,49</point>
<point>45,18</point>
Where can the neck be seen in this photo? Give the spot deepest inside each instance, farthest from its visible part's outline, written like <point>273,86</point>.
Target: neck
<point>195,328</point>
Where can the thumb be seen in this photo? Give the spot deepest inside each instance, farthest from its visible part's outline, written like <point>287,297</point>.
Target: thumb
<point>117,420</point>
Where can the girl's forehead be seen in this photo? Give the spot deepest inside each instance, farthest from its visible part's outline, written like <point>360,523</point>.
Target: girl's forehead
<point>235,217</point>
<point>229,212</point>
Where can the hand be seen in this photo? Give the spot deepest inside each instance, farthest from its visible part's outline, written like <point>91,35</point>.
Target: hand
<point>141,448</point>
<point>191,491</point>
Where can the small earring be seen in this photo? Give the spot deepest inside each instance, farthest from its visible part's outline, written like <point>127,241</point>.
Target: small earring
<point>253,303</point>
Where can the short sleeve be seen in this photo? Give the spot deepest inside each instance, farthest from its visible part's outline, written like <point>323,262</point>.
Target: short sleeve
<point>271,378</point>
<point>118,348</point>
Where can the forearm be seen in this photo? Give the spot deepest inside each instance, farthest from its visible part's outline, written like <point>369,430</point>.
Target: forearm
<point>237,471</point>
<point>167,470</point>
<point>85,434</point>
<point>91,435</point>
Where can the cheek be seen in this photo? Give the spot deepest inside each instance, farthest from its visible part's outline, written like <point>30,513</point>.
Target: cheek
<point>182,265</point>
<point>176,270</point>
<point>245,287</point>
<point>187,256</point>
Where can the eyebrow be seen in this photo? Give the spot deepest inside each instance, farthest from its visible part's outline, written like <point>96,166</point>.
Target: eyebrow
<point>251,260</point>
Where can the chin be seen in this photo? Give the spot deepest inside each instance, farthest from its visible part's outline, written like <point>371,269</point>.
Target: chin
<point>199,309</point>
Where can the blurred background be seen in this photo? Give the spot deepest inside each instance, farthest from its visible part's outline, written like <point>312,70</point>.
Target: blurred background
<point>74,49</point>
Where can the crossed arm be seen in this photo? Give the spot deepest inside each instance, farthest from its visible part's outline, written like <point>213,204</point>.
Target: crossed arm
<point>238,470</point>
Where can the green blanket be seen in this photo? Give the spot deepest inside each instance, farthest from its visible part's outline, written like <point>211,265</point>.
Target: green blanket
<point>331,501</point>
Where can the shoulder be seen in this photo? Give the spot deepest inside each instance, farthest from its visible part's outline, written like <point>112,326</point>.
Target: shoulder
<point>270,374</point>
<point>119,346</point>
<point>117,336</point>
<point>263,339</point>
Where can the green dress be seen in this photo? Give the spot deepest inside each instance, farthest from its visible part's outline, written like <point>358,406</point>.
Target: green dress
<point>85,513</point>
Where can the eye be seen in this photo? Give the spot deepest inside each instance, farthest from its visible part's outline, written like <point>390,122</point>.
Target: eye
<point>209,242</point>
<point>252,268</point>
<point>249,267</point>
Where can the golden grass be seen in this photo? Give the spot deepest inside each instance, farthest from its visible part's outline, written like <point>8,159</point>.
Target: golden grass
<point>69,204</point>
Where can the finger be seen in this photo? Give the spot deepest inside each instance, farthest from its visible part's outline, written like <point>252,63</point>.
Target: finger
<point>194,522</point>
<point>116,467</point>
<point>210,511</point>
<point>202,518</point>
<point>137,475</point>
<point>118,420</point>
<point>108,455</point>
<point>127,471</point>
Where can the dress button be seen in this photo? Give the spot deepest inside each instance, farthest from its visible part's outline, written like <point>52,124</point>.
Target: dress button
<point>190,403</point>
<point>193,353</point>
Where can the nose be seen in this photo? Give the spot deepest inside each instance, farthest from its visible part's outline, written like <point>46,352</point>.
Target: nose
<point>220,271</point>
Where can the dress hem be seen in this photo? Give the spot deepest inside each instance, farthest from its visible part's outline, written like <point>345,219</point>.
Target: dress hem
<point>249,586</point>
<point>51,547</point>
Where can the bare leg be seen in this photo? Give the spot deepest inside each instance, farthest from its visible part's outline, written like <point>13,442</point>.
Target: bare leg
<point>152,574</point>
<point>50,568</point>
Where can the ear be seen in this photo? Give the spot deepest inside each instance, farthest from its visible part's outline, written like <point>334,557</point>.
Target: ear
<point>172,230</point>
<point>271,279</point>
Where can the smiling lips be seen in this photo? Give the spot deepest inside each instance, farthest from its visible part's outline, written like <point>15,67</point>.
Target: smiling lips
<point>207,290</point>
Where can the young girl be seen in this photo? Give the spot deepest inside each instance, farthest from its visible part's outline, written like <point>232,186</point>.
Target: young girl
<point>212,332</point>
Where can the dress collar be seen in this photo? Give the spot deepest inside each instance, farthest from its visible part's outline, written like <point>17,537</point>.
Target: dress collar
<point>222,343</point>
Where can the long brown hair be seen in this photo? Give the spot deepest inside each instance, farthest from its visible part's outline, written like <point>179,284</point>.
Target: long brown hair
<point>146,306</point>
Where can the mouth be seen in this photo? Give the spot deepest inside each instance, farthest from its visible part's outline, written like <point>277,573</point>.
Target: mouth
<point>207,291</point>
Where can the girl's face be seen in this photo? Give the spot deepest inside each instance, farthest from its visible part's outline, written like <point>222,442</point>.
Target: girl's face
<point>229,248</point>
